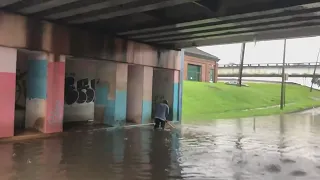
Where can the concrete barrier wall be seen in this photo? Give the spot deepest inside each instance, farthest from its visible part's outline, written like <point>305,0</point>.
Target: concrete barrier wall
<point>21,32</point>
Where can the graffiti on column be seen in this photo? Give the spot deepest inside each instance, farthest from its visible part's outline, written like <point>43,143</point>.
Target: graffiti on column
<point>80,91</point>
<point>21,90</point>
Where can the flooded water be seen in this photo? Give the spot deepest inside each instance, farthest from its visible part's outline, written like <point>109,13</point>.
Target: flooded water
<point>279,147</point>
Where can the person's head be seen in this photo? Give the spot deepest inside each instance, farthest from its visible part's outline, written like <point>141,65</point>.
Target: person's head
<point>165,102</point>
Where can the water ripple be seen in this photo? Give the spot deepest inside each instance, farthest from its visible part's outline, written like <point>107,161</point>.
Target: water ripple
<point>277,147</point>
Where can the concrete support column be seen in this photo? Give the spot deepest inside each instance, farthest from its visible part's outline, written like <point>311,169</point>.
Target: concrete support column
<point>139,102</point>
<point>182,72</point>
<point>175,98</point>
<point>55,94</point>
<point>104,73</point>
<point>147,95</point>
<point>8,58</point>
<point>120,102</point>
<point>166,86</point>
<point>111,93</point>
<point>36,90</point>
<point>45,92</point>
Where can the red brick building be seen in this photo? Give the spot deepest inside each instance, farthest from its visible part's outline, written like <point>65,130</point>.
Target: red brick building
<point>200,66</point>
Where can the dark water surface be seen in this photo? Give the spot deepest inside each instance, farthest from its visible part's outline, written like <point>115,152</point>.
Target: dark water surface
<point>279,147</point>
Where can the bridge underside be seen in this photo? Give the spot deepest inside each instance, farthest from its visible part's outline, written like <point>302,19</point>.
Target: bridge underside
<point>180,23</point>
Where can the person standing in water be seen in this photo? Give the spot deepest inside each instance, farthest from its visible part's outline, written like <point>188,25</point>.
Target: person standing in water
<point>161,114</point>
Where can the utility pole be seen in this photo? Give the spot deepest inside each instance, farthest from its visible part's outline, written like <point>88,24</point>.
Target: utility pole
<point>243,48</point>
<point>283,75</point>
<point>314,71</point>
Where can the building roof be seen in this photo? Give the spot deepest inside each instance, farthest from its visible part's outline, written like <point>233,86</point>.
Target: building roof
<point>195,52</point>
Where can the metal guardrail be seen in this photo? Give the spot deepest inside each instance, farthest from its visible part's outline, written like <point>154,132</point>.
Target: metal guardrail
<point>270,64</point>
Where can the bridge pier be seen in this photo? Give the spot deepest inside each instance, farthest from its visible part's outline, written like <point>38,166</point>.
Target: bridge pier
<point>139,105</point>
<point>98,77</point>
<point>45,90</point>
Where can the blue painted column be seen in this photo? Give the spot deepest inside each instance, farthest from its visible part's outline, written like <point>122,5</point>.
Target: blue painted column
<point>115,103</point>
<point>147,95</point>
<point>139,96</point>
<point>120,111</point>
<point>102,91</point>
<point>36,90</point>
<point>181,84</point>
<point>175,99</point>
<point>101,101</point>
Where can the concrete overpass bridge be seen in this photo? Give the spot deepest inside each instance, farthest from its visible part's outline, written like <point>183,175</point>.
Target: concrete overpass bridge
<point>269,70</point>
<point>76,60</point>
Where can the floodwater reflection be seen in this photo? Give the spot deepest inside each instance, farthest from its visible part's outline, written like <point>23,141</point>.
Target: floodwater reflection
<point>276,147</point>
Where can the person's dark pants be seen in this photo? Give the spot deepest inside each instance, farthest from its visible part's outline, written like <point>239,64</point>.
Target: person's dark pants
<point>159,122</point>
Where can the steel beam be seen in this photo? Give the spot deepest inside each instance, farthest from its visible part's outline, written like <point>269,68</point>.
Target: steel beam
<point>253,30</point>
<point>245,22</point>
<point>88,8</point>
<point>4,3</point>
<point>125,12</point>
<point>223,31</point>
<point>186,25</point>
<point>307,31</point>
<point>44,6</point>
<point>256,34</point>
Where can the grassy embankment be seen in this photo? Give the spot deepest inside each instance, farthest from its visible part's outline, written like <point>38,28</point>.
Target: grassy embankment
<point>207,101</point>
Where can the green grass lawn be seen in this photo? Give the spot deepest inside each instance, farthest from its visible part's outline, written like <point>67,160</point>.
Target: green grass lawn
<point>207,101</point>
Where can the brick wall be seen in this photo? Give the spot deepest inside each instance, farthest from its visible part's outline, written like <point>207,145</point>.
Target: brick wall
<point>206,65</point>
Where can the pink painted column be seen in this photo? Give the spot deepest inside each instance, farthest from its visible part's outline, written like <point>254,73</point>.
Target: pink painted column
<point>55,94</point>
<point>8,58</point>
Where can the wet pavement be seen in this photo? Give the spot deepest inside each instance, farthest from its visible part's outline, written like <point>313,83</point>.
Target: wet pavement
<point>278,147</point>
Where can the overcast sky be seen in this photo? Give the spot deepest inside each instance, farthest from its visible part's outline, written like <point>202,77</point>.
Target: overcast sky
<point>298,50</point>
